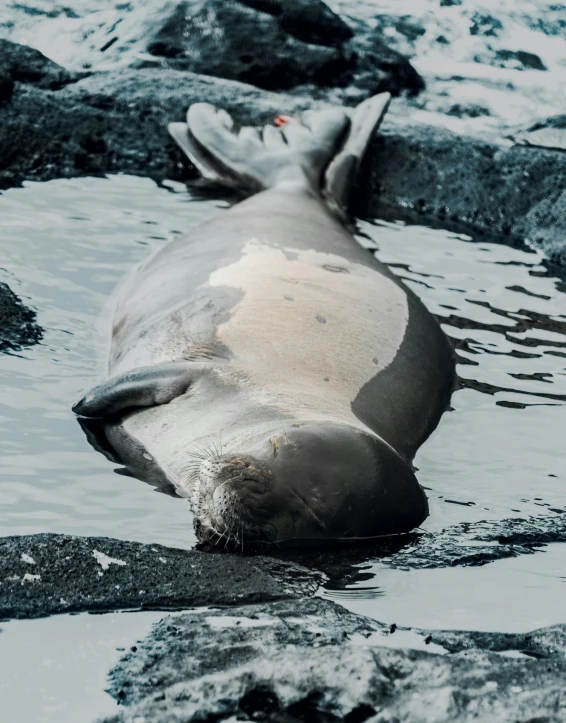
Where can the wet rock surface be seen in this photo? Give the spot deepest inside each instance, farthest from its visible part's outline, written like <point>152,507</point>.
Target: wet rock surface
<point>47,574</point>
<point>501,191</point>
<point>288,661</point>
<point>240,633</point>
<point>18,327</point>
<point>116,121</point>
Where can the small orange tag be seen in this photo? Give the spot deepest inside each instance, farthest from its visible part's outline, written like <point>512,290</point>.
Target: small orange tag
<point>282,120</point>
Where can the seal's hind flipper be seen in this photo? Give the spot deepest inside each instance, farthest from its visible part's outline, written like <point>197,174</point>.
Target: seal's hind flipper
<point>206,165</point>
<point>254,160</point>
<point>341,174</point>
<point>143,387</point>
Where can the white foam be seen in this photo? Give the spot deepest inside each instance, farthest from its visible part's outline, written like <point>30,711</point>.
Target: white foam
<point>511,95</point>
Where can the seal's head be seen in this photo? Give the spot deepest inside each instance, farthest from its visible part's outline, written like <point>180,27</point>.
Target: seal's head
<point>315,481</point>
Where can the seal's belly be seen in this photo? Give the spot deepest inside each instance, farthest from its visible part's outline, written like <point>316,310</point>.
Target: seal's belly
<point>310,328</point>
<point>302,330</point>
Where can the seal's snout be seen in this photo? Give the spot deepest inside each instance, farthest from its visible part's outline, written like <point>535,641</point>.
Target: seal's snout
<point>235,500</point>
<point>242,471</point>
<point>313,481</point>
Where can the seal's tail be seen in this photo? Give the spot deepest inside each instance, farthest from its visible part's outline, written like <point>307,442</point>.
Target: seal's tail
<point>325,146</point>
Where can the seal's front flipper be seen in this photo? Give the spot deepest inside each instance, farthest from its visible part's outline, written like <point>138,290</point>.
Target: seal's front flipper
<point>341,174</point>
<point>143,387</point>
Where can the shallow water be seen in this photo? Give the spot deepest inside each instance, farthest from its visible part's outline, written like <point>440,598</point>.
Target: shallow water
<point>513,595</point>
<point>66,246</point>
<point>54,670</point>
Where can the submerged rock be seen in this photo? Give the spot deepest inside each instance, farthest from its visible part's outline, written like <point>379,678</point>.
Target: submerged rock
<point>312,660</point>
<point>46,574</point>
<point>18,327</point>
<point>469,544</point>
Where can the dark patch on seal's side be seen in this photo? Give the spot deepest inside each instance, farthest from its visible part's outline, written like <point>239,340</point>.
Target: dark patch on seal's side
<point>436,375</point>
<point>18,327</point>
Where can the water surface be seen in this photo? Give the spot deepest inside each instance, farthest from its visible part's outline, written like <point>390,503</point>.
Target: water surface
<point>498,454</point>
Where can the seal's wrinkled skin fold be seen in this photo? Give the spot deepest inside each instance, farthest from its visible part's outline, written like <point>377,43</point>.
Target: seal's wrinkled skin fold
<point>267,367</point>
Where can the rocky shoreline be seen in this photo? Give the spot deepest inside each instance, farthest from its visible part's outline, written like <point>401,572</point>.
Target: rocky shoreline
<point>309,660</point>
<point>115,121</point>
<point>268,648</point>
<point>48,574</point>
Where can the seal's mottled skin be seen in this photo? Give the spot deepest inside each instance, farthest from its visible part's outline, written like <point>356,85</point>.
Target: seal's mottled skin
<point>305,375</point>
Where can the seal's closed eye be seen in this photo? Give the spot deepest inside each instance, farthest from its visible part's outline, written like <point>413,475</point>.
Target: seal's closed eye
<point>143,387</point>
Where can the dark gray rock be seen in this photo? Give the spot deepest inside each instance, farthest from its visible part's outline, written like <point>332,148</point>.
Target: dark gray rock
<point>519,60</point>
<point>311,21</point>
<point>117,121</point>
<point>379,68</point>
<point>508,193</point>
<point>18,327</point>
<point>21,64</point>
<point>47,574</point>
<point>485,25</point>
<point>215,38</point>
<point>313,661</point>
<point>295,43</point>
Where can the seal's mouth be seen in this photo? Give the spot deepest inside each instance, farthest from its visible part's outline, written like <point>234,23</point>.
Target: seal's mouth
<point>232,501</point>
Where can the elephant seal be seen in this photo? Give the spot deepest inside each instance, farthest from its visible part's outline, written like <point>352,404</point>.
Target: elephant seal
<point>267,367</point>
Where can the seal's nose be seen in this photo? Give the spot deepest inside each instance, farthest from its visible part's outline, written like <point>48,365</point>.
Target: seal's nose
<point>237,499</point>
<point>242,470</point>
